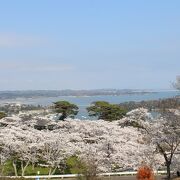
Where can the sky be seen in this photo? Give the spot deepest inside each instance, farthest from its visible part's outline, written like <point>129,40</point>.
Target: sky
<point>89,44</point>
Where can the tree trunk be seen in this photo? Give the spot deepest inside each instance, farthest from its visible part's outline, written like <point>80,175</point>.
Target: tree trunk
<point>2,169</point>
<point>15,168</point>
<point>50,172</point>
<point>54,171</point>
<point>23,168</point>
<point>33,164</point>
<point>168,167</point>
<point>63,116</point>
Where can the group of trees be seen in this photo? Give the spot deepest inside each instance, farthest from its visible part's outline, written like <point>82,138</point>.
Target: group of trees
<point>114,146</point>
<point>15,108</point>
<point>100,109</point>
<point>111,147</point>
<point>152,105</point>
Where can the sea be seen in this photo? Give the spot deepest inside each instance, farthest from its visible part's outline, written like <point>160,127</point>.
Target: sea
<point>84,101</point>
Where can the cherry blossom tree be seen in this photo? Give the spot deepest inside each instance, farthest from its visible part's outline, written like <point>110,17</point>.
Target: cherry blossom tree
<point>177,83</point>
<point>166,135</point>
<point>112,147</point>
<point>53,154</point>
<point>163,132</point>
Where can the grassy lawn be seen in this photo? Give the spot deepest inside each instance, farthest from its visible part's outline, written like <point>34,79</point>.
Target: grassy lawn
<point>8,170</point>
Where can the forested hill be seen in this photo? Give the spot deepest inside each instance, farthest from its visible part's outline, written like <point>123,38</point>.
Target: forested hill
<point>173,103</point>
<point>56,93</point>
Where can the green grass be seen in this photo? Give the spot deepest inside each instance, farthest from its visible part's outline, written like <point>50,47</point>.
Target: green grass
<point>8,170</point>
<point>30,171</point>
<point>73,166</point>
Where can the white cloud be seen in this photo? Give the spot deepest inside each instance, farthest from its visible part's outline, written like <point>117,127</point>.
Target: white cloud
<point>12,40</point>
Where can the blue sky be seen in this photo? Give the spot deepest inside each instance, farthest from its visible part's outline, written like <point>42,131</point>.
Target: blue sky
<point>89,44</point>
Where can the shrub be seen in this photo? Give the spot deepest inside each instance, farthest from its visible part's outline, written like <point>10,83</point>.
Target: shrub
<point>145,173</point>
<point>2,115</point>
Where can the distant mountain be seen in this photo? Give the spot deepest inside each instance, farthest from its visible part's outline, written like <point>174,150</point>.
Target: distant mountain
<point>68,92</point>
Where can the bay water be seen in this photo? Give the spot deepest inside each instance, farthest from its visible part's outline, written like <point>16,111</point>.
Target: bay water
<point>84,101</point>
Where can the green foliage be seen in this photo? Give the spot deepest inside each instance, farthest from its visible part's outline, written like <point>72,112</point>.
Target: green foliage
<point>8,170</point>
<point>2,115</point>
<point>86,168</point>
<point>66,109</point>
<point>106,111</point>
<point>74,165</point>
